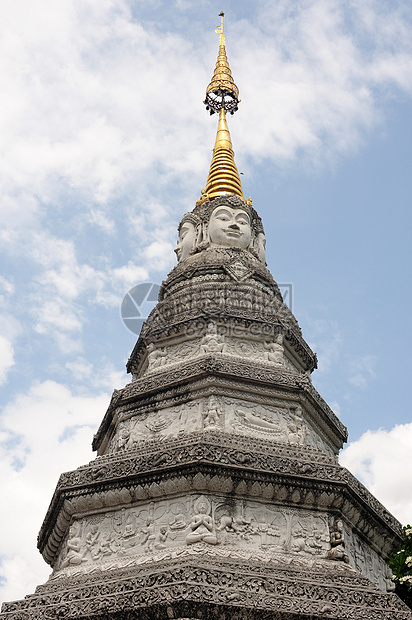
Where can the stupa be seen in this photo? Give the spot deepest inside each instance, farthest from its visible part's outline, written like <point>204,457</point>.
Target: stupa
<point>216,492</point>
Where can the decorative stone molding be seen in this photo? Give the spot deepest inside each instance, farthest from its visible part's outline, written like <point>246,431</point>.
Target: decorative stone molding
<point>183,587</point>
<point>222,365</point>
<point>243,528</point>
<point>289,474</point>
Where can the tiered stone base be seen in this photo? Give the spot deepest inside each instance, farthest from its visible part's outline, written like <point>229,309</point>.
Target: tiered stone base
<point>189,588</point>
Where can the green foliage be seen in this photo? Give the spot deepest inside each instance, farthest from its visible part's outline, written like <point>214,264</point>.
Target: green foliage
<point>401,565</point>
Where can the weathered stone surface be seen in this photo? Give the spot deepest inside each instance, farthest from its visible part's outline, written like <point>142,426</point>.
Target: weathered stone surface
<point>216,492</point>
<point>222,591</point>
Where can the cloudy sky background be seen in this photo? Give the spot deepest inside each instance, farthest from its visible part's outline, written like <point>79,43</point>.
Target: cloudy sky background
<point>105,143</point>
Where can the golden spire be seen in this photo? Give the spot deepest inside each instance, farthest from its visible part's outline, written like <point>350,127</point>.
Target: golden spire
<point>223,175</point>
<point>222,96</point>
<point>222,91</point>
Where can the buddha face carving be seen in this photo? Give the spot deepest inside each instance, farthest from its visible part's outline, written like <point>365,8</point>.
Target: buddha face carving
<point>230,227</point>
<point>261,247</point>
<point>186,240</point>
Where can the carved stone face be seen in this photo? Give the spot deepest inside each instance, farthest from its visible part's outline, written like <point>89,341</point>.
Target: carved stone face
<point>261,247</point>
<point>186,240</point>
<point>230,228</point>
<point>202,508</point>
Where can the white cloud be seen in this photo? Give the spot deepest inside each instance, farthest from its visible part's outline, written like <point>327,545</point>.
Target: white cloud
<point>75,115</point>
<point>44,432</point>
<point>159,254</point>
<point>6,287</point>
<point>382,461</point>
<point>64,287</point>
<point>78,125</point>
<point>6,358</point>
<point>326,341</point>
<point>130,274</point>
<point>322,67</point>
<point>363,370</point>
<point>99,217</point>
<point>107,377</point>
<point>79,111</point>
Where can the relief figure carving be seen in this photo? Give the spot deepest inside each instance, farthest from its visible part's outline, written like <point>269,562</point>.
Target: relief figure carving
<point>109,543</point>
<point>162,537</point>
<point>212,342</point>
<point>148,536</point>
<point>259,420</point>
<point>260,247</point>
<point>157,423</point>
<point>93,542</point>
<point>297,430</point>
<point>306,534</point>
<point>237,525</point>
<point>157,357</point>
<point>212,412</point>
<point>337,543</point>
<point>177,521</point>
<point>75,551</point>
<point>274,351</point>
<point>202,524</point>
<point>124,436</point>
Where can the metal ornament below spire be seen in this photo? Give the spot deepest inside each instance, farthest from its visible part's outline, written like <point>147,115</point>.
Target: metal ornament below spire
<point>223,175</point>
<point>222,92</point>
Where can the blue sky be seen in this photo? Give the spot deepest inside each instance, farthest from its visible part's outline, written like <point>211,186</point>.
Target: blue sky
<point>105,143</point>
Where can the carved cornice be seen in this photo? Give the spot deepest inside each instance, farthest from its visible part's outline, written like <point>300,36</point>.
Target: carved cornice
<point>202,287</point>
<point>279,473</point>
<point>196,320</point>
<point>214,588</point>
<point>212,261</point>
<point>219,364</point>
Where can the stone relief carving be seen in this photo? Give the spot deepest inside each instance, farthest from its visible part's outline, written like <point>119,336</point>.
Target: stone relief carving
<point>169,422</point>
<point>123,436</point>
<point>297,429</point>
<point>229,227</point>
<point>282,424</point>
<point>202,525</point>
<point>274,350</point>
<point>337,542</point>
<point>157,357</point>
<point>261,247</point>
<point>365,560</point>
<point>172,524</point>
<point>225,222</point>
<point>187,236</point>
<point>212,342</point>
<point>212,413</point>
<point>75,552</point>
<point>248,372</point>
<point>314,590</point>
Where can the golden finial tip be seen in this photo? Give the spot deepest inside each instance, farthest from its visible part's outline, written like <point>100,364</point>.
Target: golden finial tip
<point>222,92</point>
<point>222,95</point>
